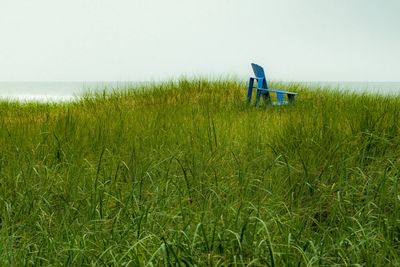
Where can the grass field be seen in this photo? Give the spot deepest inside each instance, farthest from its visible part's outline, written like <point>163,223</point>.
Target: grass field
<point>185,173</point>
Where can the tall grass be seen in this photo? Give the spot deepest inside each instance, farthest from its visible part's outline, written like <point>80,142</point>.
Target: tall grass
<point>186,173</point>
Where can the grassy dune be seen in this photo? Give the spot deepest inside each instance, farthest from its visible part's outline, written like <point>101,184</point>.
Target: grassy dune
<point>183,174</point>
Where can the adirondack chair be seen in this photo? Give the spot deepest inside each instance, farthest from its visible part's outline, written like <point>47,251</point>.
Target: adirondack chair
<point>262,88</point>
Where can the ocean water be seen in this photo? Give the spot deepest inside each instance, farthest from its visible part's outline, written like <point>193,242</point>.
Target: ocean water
<point>383,88</point>
<point>55,91</point>
<point>68,91</point>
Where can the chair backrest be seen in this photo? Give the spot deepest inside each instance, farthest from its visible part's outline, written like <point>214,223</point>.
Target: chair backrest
<point>258,70</point>
<point>259,73</point>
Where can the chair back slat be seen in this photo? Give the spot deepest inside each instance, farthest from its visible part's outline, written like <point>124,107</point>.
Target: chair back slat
<point>258,71</point>
<point>260,74</point>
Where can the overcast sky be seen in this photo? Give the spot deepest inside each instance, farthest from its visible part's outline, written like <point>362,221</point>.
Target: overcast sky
<point>140,40</point>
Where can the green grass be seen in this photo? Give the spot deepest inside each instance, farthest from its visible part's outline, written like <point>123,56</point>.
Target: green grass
<point>185,173</point>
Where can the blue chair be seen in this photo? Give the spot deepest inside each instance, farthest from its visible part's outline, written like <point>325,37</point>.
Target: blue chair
<point>262,88</point>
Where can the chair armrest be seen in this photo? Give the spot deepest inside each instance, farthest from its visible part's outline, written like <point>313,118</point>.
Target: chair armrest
<point>277,91</point>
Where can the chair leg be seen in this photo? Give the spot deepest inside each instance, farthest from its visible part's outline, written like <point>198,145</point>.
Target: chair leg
<point>250,90</point>
<point>281,98</point>
<point>291,98</point>
<point>258,93</point>
<point>266,97</point>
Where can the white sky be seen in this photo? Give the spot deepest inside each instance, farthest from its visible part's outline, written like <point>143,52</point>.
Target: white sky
<point>138,40</point>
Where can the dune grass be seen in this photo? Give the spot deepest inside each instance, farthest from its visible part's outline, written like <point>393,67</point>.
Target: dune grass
<point>186,173</point>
